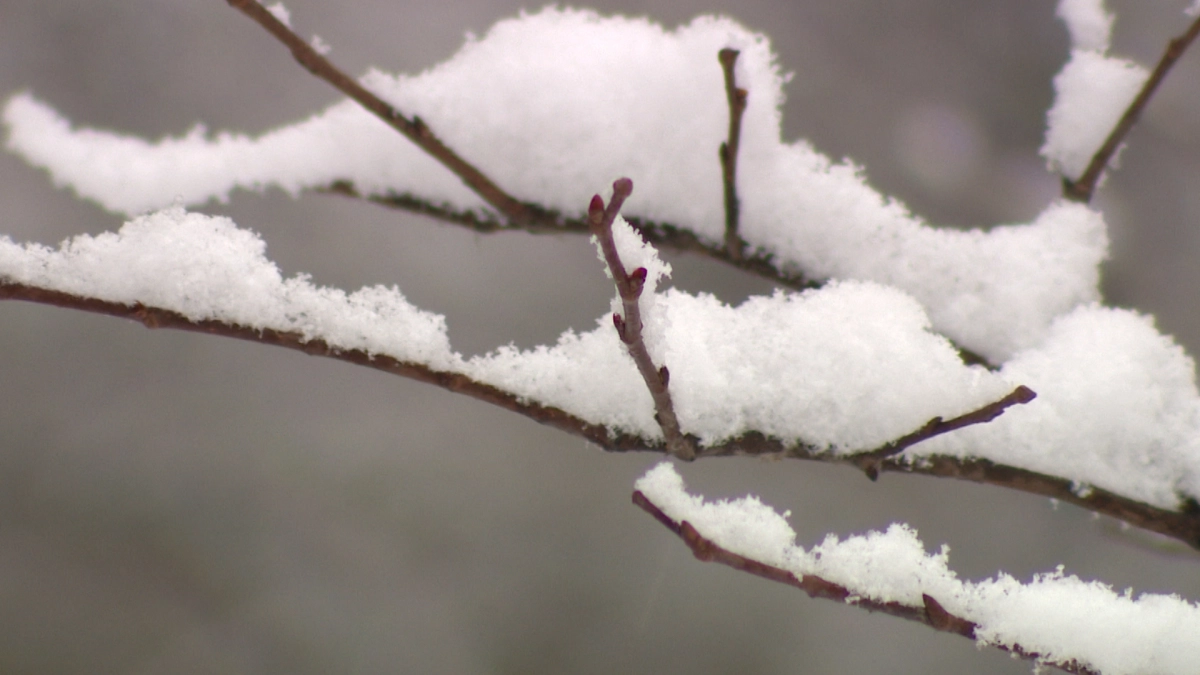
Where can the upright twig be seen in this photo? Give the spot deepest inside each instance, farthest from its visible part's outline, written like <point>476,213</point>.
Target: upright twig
<point>1081,190</point>
<point>415,129</point>
<point>729,152</point>
<point>629,327</point>
<point>930,612</point>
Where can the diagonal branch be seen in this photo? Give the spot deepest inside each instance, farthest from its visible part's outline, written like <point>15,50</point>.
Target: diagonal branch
<point>931,612</point>
<point>1180,525</point>
<point>870,462</point>
<point>414,129</point>
<point>629,327</point>
<point>729,152</point>
<point>1081,190</point>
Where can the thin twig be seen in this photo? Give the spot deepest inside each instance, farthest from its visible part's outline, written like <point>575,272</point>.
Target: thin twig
<point>930,612</point>
<point>1180,525</point>
<point>870,461</point>
<point>729,152</point>
<point>1081,190</point>
<point>629,327</point>
<point>414,129</point>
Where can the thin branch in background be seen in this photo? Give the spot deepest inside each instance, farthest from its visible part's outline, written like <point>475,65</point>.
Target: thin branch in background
<point>1081,190</point>
<point>414,129</point>
<point>1182,525</point>
<point>729,152</point>
<point>629,327</point>
<point>930,612</point>
<point>870,462</point>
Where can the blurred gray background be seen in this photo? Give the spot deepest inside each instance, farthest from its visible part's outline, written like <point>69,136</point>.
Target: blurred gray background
<point>174,503</point>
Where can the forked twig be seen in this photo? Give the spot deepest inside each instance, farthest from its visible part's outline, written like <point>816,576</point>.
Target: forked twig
<point>931,612</point>
<point>414,129</point>
<point>629,327</point>
<point>729,152</point>
<point>1081,190</point>
<point>871,461</point>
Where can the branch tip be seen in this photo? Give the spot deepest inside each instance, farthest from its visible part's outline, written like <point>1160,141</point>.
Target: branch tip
<point>622,187</point>
<point>596,209</point>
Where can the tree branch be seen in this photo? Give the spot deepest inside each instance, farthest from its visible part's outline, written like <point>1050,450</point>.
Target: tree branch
<point>870,462</point>
<point>414,129</point>
<point>629,326</point>
<point>729,152</point>
<point>1082,189</point>
<point>1180,525</point>
<point>931,613</point>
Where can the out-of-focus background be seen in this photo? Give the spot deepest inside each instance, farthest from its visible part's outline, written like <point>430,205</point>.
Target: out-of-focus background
<point>175,503</point>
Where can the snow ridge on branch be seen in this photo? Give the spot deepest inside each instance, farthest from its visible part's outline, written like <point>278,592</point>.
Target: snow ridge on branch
<point>1056,620</point>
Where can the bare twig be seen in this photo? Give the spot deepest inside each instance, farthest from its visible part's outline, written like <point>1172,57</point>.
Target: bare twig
<point>629,327</point>
<point>414,129</point>
<point>870,462</point>
<point>1180,525</point>
<point>729,152</point>
<point>930,612</point>
<point>1081,190</point>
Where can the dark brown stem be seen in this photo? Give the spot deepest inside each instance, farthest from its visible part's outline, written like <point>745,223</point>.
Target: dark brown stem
<point>156,317</point>
<point>1081,190</point>
<point>930,612</point>
<point>629,326</point>
<point>414,129</point>
<point>1182,525</point>
<point>729,152</point>
<point>870,462</point>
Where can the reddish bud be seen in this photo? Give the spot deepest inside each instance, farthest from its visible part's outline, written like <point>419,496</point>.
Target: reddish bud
<point>596,207</point>
<point>622,186</point>
<point>664,375</point>
<point>620,325</point>
<point>637,280</point>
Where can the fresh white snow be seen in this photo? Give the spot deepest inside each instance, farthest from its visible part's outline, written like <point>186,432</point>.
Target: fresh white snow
<point>555,105</point>
<point>1058,616</point>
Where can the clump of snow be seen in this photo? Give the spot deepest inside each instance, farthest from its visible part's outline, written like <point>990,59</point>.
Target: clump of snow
<point>1059,617</point>
<point>1091,93</point>
<point>280,12</point>
<point>1117,408</point>
<point>1088,22</point>
<point>1092,90</point>
<point>555,103</point>
<point>320,46</point>
<point>205,267</point>
<point>845,368</point>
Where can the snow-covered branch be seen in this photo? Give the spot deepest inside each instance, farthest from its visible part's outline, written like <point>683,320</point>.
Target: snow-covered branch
<point>414,129</point>
<point>1056,620</point>
<point>865,370</point>
<point>1082,188</point>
